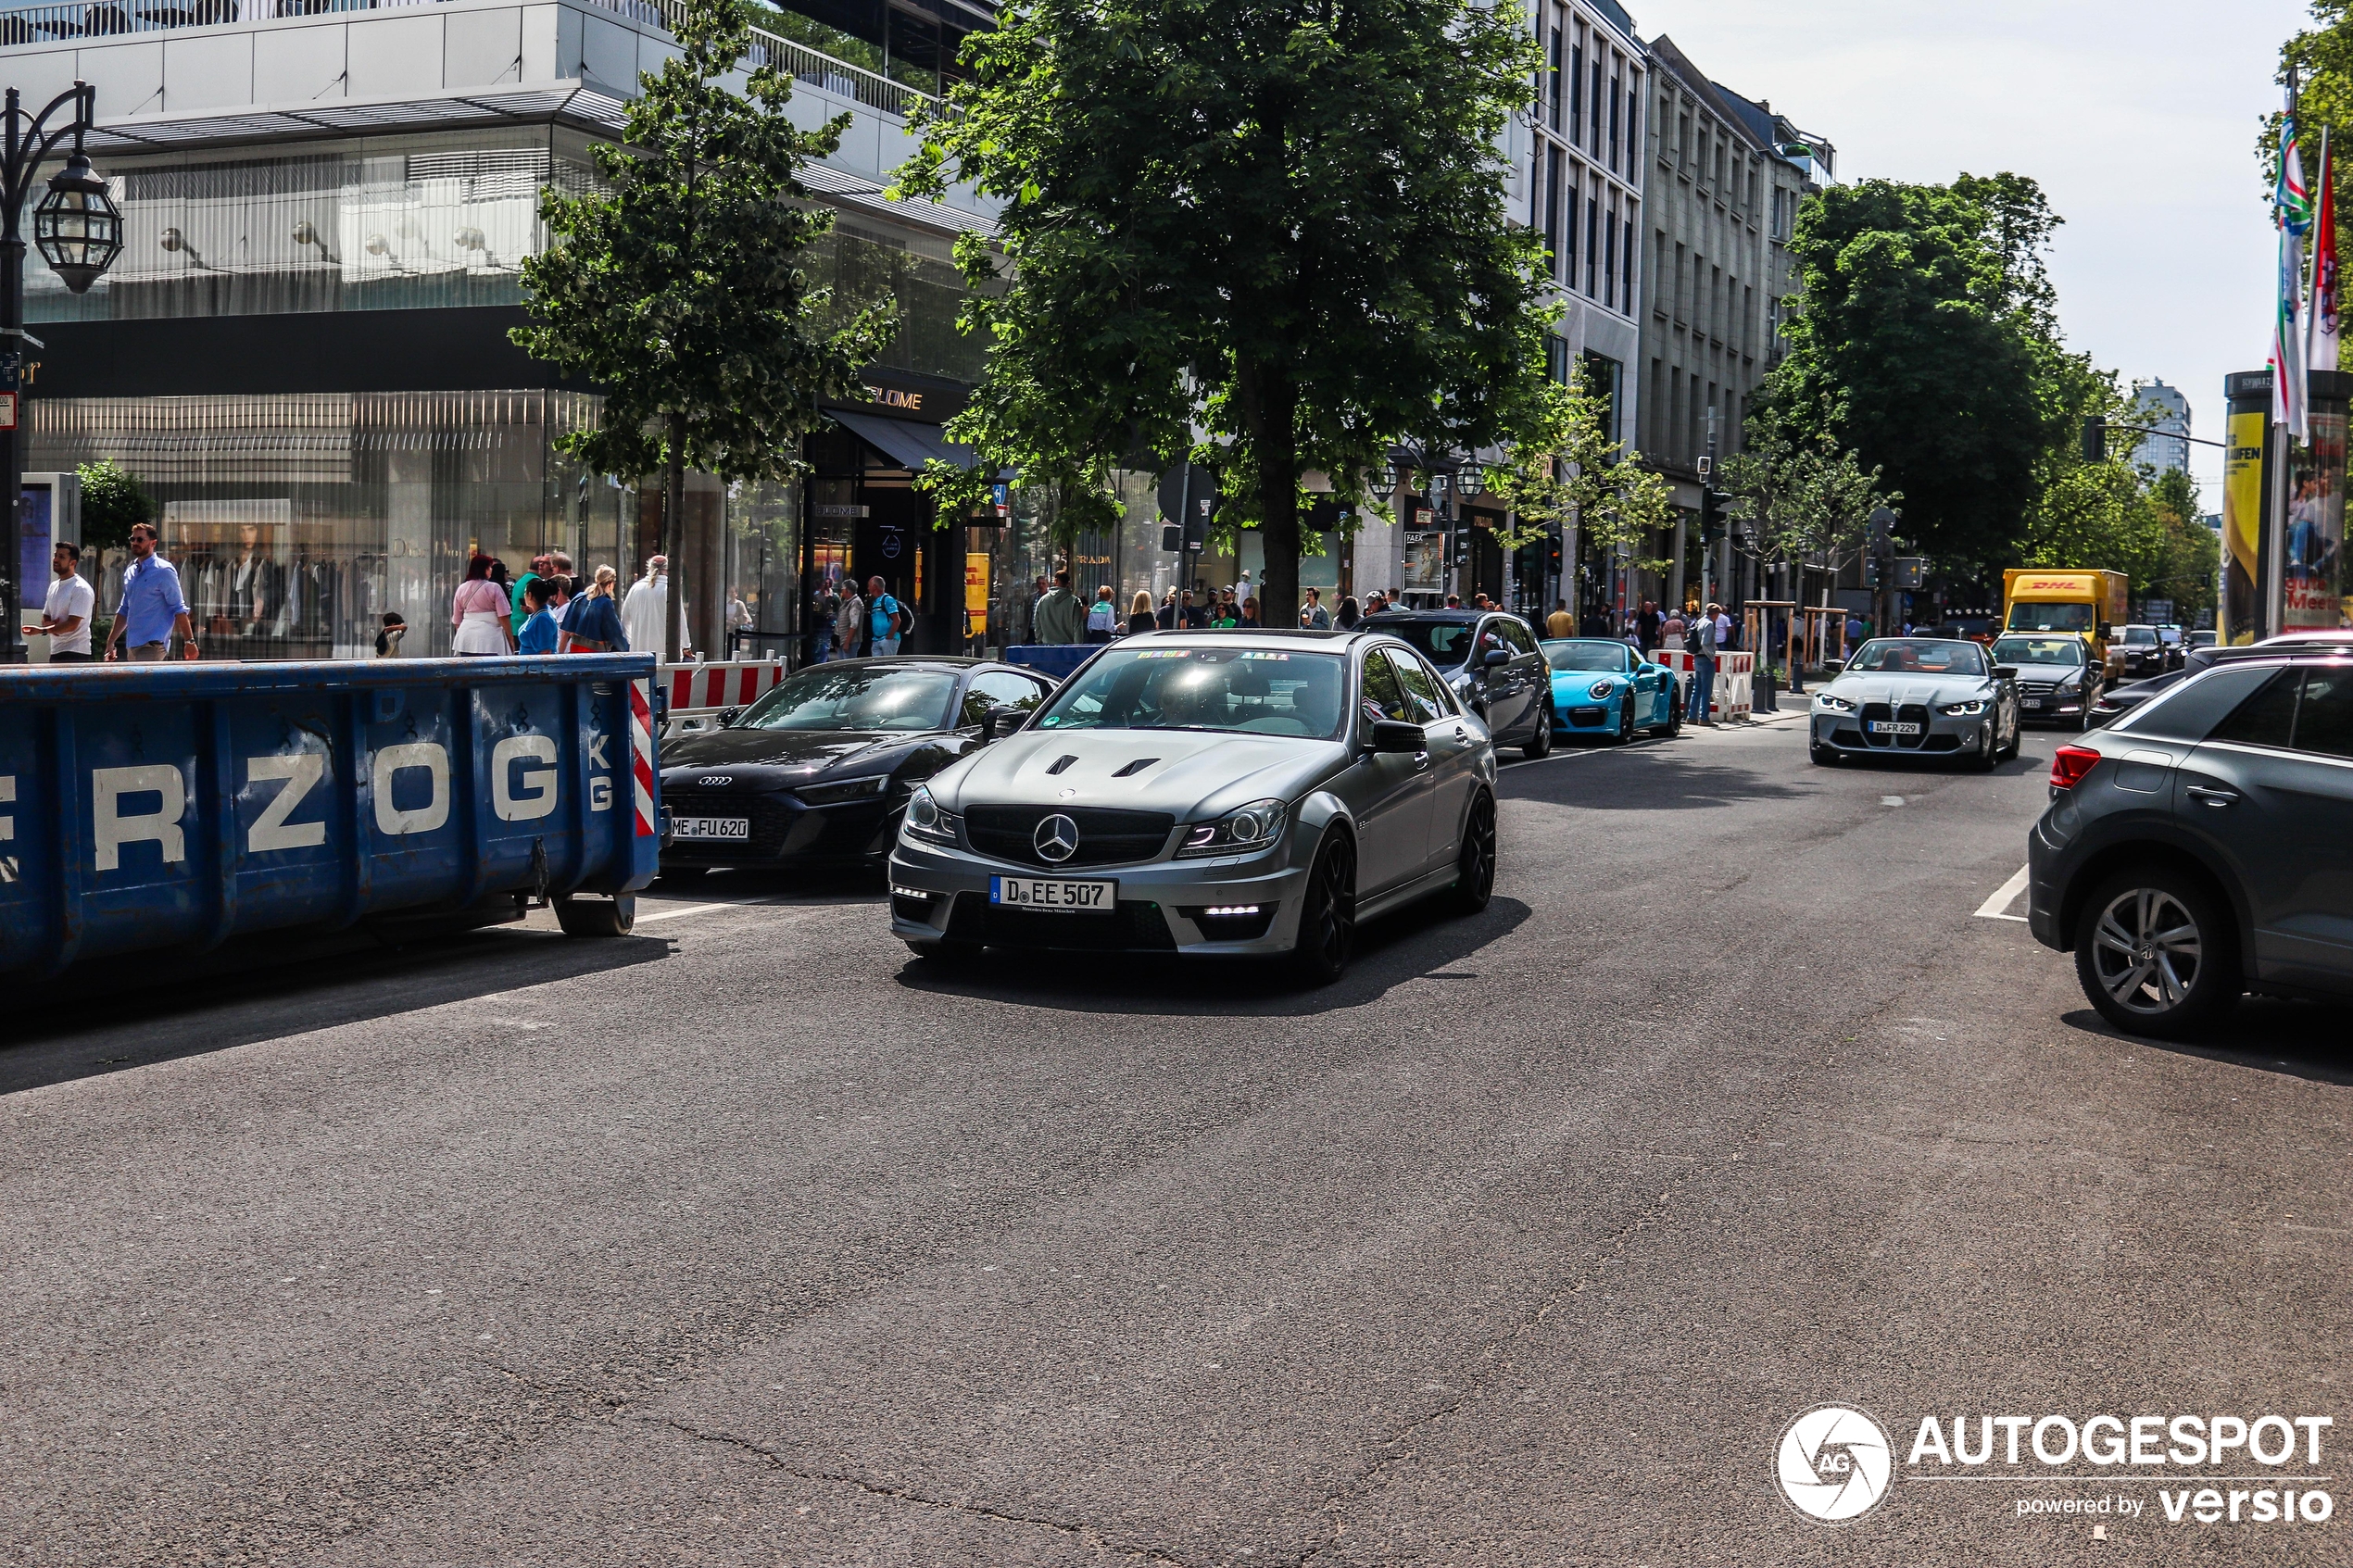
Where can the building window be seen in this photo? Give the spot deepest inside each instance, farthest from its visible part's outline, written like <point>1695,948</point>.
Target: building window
<point>1553,83</point>
<point>1600,379</point>
<point>1576,94</point>
<point>1629,254</point>
<point>1594,142</point>
<point>1592,244</point>
<point>1633,128</point>
<point>1609,263</point>
<point>1556,357</point>
<point>1553,212</point>
<point>1614,95</point>
<point>1683,144</point>
<point>1568,255</point>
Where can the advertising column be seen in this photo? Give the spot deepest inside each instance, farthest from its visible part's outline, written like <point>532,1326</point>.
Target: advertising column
<point>2240,617</point>
<point>2311,548</point>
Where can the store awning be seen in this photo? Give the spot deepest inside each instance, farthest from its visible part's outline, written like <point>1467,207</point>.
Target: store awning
<point>904,441</point>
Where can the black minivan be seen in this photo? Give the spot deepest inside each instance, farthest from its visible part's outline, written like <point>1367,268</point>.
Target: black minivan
<point>2202,846</point>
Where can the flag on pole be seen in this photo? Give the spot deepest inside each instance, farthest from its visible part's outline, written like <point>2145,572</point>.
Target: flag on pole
<point>2321,322</point>
<point>2292,209</point>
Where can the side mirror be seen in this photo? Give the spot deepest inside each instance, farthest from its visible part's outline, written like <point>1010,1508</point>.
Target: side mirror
<point>1395,736</point>
<point>2005,672</point>
<point>1833,666</point>
<point>2107,631</point>
<point>1496,656</point>
<point>999,721</point>
<point>727,717</point>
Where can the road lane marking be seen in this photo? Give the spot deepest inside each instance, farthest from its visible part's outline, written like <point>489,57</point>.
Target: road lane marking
<point>2004,897</point>
<point>707,906</point>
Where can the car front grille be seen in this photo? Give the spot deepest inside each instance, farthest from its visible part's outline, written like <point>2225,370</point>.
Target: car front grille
<point>1106,837</point>
<point>1132,927</point>
<point>771,820</point>
<point>1588,715</point>
<point>1909,713</point>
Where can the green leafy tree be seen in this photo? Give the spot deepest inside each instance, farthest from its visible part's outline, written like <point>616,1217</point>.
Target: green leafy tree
<point>1919,347</point>
<point>2322,56</point>
<point>1570,475</point>
<point>113,501</point>
<point>679,287</point>
<point>1268,237</point>
<point>1808,500</point>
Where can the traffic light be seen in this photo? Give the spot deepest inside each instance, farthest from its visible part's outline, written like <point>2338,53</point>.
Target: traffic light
<point>1713,506</point>
<point>1553,556</point>
<point>2095,439</point>
<point>1462,548</point>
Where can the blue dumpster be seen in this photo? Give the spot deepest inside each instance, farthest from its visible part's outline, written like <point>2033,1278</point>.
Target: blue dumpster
<point>155,806</point>
<point>1054,660</point>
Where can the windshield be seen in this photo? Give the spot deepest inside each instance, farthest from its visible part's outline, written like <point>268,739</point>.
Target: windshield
<point>2039,650</point>
<point>2051,618</point>
<point>1242,690</point>
<point>1588,656</point>
<point>1912,655</point>
<point>855,697</point>
<point>2140,636</point>
<point>1446,642</point>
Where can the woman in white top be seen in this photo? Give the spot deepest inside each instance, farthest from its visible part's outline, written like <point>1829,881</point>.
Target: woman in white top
<point>480,616</point>
<point>646,612</point>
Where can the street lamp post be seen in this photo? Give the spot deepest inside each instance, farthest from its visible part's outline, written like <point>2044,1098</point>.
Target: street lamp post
<point>79,231</point>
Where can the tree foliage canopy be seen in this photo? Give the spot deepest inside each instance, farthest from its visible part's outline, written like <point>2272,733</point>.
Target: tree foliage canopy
<point>1569,472</point>
<point>1807,501</point>
<point>1267,233</point>
<point>112,502</point>
<point>678,287</point>
<point>1923,345</point>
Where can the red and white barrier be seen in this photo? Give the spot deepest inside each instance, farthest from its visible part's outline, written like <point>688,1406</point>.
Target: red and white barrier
<point>1735,692</point>
<point>697,689</point>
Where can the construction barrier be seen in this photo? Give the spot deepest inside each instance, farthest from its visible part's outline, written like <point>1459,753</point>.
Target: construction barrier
<point>697,689</point>
<point>153,806</point>
<point>1735,692</point>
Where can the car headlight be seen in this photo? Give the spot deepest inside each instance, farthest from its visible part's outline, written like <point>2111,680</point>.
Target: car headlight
<point>848,789</point>
<point>1254,827</point>
<point>1963,709</point>
<point>925,820</point>
<point>1601,688</point>
<point>1830,704</point>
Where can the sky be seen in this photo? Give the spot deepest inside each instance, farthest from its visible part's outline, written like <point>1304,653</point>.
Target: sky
<point>2138,116</point>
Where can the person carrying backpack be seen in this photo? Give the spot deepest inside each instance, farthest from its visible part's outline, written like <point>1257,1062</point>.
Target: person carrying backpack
<point>1700,642</point>
<point>887,620</point>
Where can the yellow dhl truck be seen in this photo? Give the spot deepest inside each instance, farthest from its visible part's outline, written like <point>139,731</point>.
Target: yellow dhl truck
<point>2093,605</point>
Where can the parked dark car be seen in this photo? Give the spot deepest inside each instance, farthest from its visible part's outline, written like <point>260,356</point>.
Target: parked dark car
<point>818,772</point>
<point>2197,848</point>
<point>1491,661</point>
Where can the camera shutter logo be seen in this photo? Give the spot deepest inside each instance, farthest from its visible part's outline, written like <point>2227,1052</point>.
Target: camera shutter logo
<point>1056,839</point>
<point>1834,1465</point>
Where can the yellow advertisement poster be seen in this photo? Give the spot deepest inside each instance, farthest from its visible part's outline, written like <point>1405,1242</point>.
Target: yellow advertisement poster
<point>2242,524</point>
<point>976,594</point>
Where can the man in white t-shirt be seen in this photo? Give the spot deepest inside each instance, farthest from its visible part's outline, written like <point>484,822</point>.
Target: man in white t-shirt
<point>65,615</point>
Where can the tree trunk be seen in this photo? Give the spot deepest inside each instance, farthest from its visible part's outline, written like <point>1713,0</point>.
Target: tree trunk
<point>673,539</point>
<point>1271,409</point>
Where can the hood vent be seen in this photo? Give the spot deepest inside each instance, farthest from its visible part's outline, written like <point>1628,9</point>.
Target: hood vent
<point>1064,761</point>
<point>1136,767</point>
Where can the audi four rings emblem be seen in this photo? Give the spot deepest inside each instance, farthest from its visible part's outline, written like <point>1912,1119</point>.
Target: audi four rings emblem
<point>1056,839</point>
<point>715,781</point>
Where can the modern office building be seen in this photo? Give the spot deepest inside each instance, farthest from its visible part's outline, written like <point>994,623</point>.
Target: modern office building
<point>1727,176</point>
<point>2171,416</point>
<point>303,350</point>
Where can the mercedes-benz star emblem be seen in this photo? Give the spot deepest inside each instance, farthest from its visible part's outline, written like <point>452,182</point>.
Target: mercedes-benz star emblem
<point>1056,839</point>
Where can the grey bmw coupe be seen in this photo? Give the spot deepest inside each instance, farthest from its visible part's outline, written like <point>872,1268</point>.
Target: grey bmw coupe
<point>1917,696</point>
<point>1237,793</point>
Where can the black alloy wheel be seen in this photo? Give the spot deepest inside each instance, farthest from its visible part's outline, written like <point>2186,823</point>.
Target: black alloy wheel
<point>2156,955</point>
<point>1625,717</point>
<point>1327,920</point>
<point>1540,744</point>
<point>1989,745</point>
<point>2009,751</point>
<point>1674,725</point>
<point>1474,861</point>
<point>1823,756</point>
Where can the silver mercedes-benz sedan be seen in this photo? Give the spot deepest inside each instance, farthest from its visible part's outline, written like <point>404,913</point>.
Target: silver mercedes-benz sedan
<point>1235,793</point>
<point>1917,696</point>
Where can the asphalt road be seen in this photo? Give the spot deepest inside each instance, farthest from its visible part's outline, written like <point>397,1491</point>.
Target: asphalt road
<point>748,1240</point>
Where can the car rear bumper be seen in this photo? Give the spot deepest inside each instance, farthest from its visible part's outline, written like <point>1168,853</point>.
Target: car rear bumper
<point>942,894</point>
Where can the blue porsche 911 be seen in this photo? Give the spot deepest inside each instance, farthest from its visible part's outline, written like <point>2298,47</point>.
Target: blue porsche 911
<point>1602,687</point>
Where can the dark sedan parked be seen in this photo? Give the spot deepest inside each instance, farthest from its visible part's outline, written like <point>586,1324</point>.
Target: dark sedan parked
<point>1491,661</point>
<point>2197,848</point>
<point>818,772</point>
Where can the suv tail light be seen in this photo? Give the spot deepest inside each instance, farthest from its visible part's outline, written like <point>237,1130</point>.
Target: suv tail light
<point>2071,763</point>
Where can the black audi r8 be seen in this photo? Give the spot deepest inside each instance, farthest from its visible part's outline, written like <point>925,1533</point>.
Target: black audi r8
<point>817,771</point>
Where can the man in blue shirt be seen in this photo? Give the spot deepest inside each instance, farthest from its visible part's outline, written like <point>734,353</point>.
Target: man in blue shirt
<point>152,607</point>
